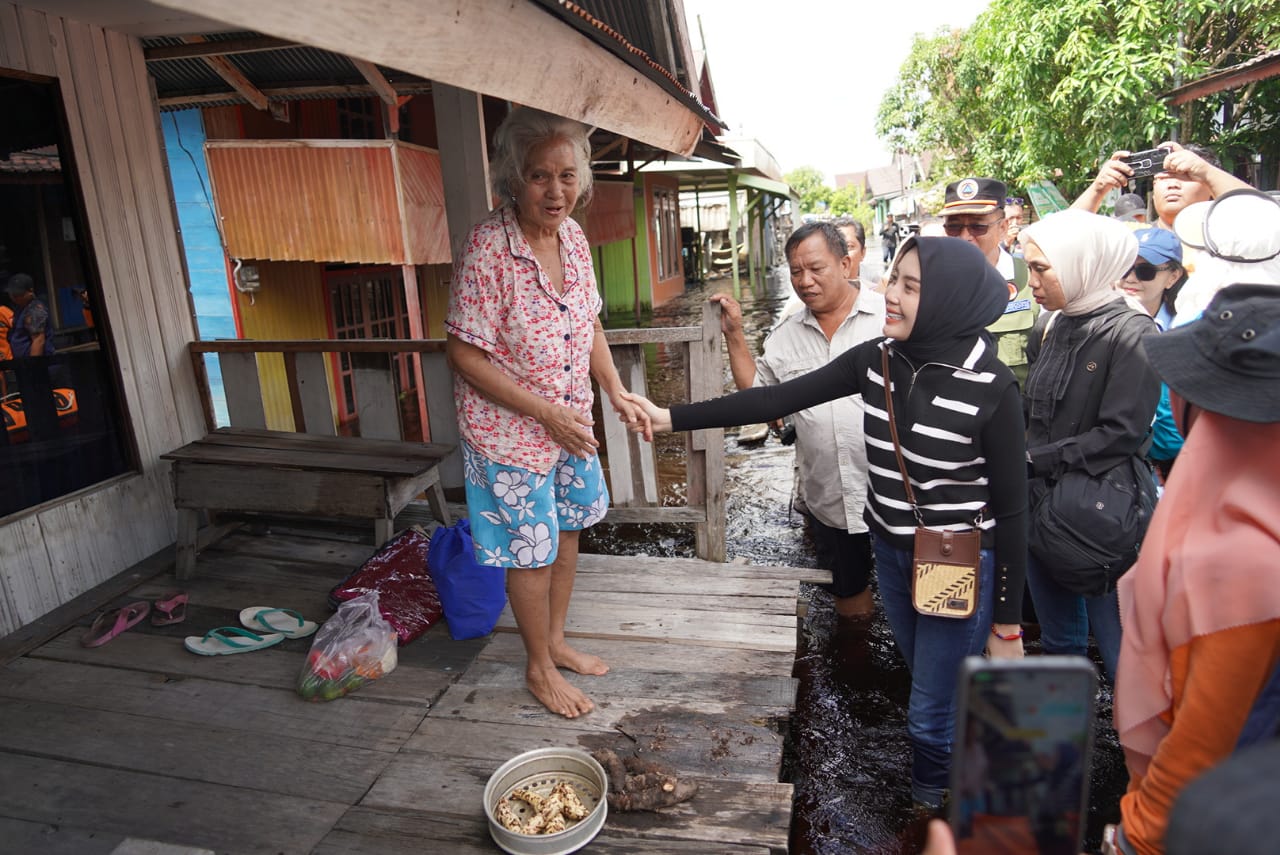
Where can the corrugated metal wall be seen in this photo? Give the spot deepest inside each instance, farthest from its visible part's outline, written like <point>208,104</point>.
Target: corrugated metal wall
<point>329,200</point>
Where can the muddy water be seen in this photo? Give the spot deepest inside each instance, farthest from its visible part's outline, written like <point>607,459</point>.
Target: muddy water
<point>847,751</point>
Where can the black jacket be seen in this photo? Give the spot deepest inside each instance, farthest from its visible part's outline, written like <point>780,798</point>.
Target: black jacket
<point>1108,398</point>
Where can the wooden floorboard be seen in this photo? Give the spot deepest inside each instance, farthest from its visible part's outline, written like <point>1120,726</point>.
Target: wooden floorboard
<point>139,739</point>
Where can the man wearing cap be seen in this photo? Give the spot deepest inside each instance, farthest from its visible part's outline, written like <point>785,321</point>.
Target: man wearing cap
<point>1130,208</point>
<point>974,211</point>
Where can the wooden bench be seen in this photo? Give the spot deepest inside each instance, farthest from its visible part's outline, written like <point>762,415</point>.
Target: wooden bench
<point>244,469</point>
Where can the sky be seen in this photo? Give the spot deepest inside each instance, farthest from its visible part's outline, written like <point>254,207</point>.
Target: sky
<point>805,77</point>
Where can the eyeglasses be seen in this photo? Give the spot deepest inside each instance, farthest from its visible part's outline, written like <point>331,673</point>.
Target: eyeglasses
<point>1013,200</point>
<point>975,229</point>
<point>1145,271</point>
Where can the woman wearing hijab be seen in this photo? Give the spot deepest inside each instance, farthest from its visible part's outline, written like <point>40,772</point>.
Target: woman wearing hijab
<point>958,416</point>
<point>1202,607</point>
<point>1090,398</point>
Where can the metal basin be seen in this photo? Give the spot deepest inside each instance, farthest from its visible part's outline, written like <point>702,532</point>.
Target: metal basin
<point>540,770</point>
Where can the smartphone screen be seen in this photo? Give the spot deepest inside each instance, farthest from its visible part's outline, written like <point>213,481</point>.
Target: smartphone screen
<point>1021,754</point>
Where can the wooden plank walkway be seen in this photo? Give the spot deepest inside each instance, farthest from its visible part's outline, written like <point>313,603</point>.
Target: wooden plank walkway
<point>108,749</point>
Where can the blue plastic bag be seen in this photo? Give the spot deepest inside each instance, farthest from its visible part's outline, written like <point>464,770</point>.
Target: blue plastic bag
<point>473,595</point>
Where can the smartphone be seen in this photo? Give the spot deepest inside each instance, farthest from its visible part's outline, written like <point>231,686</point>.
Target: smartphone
<point>1149,162</point>
<point>1021,754</point>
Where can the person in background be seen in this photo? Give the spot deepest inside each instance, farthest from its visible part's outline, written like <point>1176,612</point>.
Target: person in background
<point>1191,174</point>
<point>888,239</point>
<point>1089,400</point>
<point>31,330</point>
<point>1154,281</point>
<point>1014,212</point>
<point>524,341</point>
<point>1130,208</point>
<point>974,211</point>
<point>961,434</point>
<point>1201,606</point>
<point>836,314</point>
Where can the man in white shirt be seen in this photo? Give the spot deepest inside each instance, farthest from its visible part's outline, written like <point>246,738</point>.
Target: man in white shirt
<point>830,453</point>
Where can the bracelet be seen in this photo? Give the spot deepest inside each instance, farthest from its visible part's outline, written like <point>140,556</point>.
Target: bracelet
<point>1012,637</point>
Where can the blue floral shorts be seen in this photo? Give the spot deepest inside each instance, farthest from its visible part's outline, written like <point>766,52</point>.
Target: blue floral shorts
<point>517,515</point>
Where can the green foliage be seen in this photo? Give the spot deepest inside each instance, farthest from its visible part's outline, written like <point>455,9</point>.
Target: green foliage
<point>1033,87</point>
<point>848,201</point>
<point>809,186</point>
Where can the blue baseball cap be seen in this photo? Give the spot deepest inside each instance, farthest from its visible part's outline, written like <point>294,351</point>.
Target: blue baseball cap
<point>1159,245</point>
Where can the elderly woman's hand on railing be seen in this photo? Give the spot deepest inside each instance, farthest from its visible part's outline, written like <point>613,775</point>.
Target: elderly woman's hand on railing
<point>657,419</point>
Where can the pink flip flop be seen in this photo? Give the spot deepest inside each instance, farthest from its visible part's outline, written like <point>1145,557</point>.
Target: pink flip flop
<point>170,608</point>
<point>111,623</point>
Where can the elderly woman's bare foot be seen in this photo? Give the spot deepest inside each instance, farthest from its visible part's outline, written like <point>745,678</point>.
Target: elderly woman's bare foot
<point>557,694</point>
<point>578,662</point>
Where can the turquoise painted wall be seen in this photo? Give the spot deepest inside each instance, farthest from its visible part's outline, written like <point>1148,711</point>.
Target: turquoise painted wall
<point>202,244</point>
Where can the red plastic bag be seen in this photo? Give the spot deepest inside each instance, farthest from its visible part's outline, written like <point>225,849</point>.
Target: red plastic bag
<point>407,597</point>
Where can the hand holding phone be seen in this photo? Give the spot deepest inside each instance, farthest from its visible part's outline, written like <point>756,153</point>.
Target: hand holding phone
<point>1021,754</point>
<point>1149,162</point>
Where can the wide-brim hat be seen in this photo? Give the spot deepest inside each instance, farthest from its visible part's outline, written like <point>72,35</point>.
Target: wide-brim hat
<point>1240,225</point>
<point>974,196</point>
<point>1227,361</point>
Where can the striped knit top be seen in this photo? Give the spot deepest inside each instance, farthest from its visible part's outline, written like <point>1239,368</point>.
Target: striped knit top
<point>963,442</point>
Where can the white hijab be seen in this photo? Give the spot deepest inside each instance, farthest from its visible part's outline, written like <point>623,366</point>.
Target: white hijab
<point>1089,252</point>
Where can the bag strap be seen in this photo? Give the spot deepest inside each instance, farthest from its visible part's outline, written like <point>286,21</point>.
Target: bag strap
<point>893,432</point>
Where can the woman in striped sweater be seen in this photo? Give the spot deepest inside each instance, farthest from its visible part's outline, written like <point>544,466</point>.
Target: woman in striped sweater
<point>959,421</point>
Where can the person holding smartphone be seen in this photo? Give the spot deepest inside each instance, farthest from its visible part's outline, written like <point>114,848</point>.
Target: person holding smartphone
<point>958,415</point>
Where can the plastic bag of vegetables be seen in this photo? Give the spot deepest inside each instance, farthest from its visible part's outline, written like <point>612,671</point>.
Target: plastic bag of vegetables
<point>351,648</point>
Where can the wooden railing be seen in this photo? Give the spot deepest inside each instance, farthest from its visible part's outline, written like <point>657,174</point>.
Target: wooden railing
<point>632,472</point>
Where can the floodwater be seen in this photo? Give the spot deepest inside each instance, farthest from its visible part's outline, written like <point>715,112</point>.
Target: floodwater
<point>847,750</point>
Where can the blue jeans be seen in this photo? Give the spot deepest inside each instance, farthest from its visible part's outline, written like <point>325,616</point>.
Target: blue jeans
<point>1066,618</point>
<point>934,647</point>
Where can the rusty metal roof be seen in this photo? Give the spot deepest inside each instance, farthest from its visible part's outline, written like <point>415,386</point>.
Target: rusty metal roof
<point>1261,67</point>
<point>621,27</point>
<point>293,66</point>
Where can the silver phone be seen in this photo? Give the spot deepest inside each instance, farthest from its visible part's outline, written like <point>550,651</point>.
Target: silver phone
<point>1021,754</point>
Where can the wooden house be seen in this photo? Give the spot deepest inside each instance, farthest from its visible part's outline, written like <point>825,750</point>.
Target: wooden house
<point>87,493</point>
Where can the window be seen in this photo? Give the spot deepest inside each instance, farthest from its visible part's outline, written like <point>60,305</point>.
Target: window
<point>63,425</point>
<point>369,303</point>
<point>666,231</point>
<point>359,119</point>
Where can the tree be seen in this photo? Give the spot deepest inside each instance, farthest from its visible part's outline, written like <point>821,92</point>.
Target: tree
<point>848,201</point>
<point>1034,87</point>
<point>809,186</point>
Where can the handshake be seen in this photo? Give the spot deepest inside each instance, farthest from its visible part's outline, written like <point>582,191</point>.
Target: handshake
<point>658,421</point>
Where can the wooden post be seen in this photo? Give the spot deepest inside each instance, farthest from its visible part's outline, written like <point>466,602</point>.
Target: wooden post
<point>417,330</point>
<point>705,448</point>
<point>733,233</point>
<point>753,217</point>
<point>464,161</point>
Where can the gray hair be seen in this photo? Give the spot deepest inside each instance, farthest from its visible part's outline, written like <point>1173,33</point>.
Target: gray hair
<point>520,133</point>
<point>858,231</point>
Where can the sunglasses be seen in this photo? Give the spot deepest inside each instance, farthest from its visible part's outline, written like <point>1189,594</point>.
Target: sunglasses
<point>975,229</point>
<point>1145,271</point>
<point>1013,200</point>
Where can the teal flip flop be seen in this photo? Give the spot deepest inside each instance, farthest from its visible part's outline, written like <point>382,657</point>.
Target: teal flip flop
<point>284,621</point>
<point>224,640</point>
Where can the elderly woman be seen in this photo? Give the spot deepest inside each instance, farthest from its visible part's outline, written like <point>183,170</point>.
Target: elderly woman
<point>524,341</point>
<point>1089,401</point>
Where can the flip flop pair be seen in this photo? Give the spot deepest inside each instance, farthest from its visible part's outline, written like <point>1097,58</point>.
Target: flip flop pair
<point>111,623</point>
<point>278,623</point>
